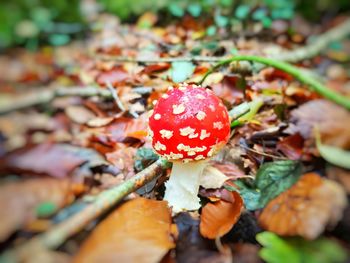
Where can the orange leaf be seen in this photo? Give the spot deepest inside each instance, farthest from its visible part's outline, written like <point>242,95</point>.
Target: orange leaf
<point>218,218</point>
<point>306,208</point>
<point>138,231</point>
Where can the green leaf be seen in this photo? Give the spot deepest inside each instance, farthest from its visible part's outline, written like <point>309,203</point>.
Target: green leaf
<point>180,71</point>
<point>271,180</point>
<point>211,30</point>
<point>143,157</point>
<point>220,20</point>
<point>333,154</point>
<point>176,10</point>
<point>46,209</point>
<point>194,9</point>
<point>298,250</point>
<point>242,11</point>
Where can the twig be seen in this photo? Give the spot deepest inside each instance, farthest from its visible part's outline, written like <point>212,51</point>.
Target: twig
<point>104,201</point>
<point>292,70</point>
<point>45,96</point>
<point>115,96</point>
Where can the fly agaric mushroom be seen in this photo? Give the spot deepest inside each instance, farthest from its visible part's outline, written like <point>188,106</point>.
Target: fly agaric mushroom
<point>189,124</point>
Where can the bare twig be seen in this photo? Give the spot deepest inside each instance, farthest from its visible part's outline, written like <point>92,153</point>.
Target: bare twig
<point>103,202</point>
<point>115,96</point>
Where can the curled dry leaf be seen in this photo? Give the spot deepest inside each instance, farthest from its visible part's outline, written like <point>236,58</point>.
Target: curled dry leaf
<point>333,123</point>
<point>306,209</point>
<point>19,200</point>
<point>218,218</point>
<point>138,231</point>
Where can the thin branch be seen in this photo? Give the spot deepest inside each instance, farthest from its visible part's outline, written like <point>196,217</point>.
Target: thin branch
<point>292,70</point>
<point>115,96</point>
<point>59,233</point>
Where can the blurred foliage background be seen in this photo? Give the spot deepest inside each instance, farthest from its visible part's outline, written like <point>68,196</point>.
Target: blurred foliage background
<point>30,23</point>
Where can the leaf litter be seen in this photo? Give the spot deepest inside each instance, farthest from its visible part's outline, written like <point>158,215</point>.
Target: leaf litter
<point>274,175</point>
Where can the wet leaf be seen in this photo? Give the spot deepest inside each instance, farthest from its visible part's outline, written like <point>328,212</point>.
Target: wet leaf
<point>180,71</point>
<point>297,250</point>
<point>306,209</point>
<point>137,231</point>
<point>19,201</point>
<point>219,217</point>
<point>271,180</point>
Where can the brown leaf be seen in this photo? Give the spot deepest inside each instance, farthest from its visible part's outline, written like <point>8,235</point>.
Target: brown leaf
<point>306,208</point>
<point>291,146</point>
<point>332,120</point>
<point>44,159</point>
<point>116,77</point>
<point>18,200</point>
<point>218,218</point>
<point>138,231</point>
<point>156,68</point>
<point>79,114</point>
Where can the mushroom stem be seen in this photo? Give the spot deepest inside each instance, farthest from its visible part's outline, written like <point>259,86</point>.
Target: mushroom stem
<point>183,185</point>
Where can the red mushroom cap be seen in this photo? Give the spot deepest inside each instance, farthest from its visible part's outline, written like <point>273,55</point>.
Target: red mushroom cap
<point>189,123</point>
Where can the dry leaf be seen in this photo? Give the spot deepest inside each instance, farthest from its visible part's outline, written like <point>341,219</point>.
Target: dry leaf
<point>54,160</point>
<point>333,122</point>
<point>306,208</point>
<point>79,114</point>
<point>18,200</point>
<point>138,231</point>
<point>218,218</point>
<point>212,178</point>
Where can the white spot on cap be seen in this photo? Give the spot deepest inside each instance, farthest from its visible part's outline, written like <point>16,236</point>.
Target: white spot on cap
<point>200,97</point>
<point>165,96</point>
<point>201,115</point>
<point>186,131</point>
<point>178,109</point>
<point>218,125</point>
<point>159,146</point>
<point>211,107</point>
<point>157,116</point>
<point>170,88</point>
<point>166,133</point>
<point>193,135</point>
<point>199,157</point>
<point>204,134</point>
<point>173,156</point>
<point>154,102</point>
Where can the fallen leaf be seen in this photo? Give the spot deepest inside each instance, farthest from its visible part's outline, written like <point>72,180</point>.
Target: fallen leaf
<point>156,68</point>
<point>137,231</point>
<point>306,209</point>
<point>333,122</point>
<point>219,217</point>
<point>297,250</point>
<point>271,180</point>
<point>333,154</point>
<point>116,76</point>
<point>79,114</point>
<point>19,200</point>
<point>212,178</point>
<point>44,159</point>
<point>291,146</point>
<point>99,122</point>
<point>180,71</point>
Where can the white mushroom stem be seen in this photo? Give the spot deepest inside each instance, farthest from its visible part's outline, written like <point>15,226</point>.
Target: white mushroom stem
<point>183,185</point>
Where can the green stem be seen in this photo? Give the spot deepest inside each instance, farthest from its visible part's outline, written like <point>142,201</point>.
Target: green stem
<point>292,70</point>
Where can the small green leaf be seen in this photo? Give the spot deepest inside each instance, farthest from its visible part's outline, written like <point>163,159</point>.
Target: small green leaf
<point>220,20</point>
<point>59,39</point>
<point>333,154</point>
<point>259,14</point>
<point>143,157</point>
<point>242,11</point>
<point>46,209</point>
<point>271,180</point>
<point>298,250</point>
<point>176,10</point>
<point>266,22</point>
<point>211,30</point>
<point>194,9</point>
<point>180,71</point>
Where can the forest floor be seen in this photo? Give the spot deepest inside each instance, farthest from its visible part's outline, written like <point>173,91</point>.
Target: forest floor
<point>74,146</point>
